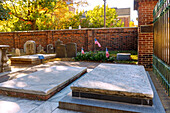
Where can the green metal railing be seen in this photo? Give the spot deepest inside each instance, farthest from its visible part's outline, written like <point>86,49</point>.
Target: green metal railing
<point>162,72</point>
<point>161,57</point>
<point>161,7</point>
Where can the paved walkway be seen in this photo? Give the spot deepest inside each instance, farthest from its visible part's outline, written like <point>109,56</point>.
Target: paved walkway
<point>161,92</point>
<point>19,105</point>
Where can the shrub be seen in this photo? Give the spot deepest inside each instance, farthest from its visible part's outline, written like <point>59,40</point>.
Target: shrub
<point>91,56</point>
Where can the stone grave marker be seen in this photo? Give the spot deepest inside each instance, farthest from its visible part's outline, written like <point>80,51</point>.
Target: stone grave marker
<point>58,42</point>
<point>39,49</point>
<point>50,48</point>
<point>123,56</point>
<point>4,66</point>
<point>111,88</point>
<point>46,84</point>
<point>17,52</point>
<point>21,50</point>
<point>30,47</point>
<point>71,50</point>
<point>61,51</point>
<point>42,51</point>
<point>13,50</point>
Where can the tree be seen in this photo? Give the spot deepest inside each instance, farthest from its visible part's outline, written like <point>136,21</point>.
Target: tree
<point>95,18</point>
<point>38,14</point>
<point>27,12</point>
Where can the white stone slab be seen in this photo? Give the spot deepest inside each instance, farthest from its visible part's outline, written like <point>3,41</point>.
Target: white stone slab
<point>43,82</point>
<point>33,57</point>
<point>116,79</point>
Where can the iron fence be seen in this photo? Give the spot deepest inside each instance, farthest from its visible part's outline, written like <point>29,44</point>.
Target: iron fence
<point>161,14</point>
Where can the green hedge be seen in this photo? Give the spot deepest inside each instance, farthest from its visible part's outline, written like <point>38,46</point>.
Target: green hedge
<point>91,56</point>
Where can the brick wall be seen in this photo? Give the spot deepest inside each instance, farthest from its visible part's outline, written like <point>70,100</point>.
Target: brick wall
<point>113,38</point>
<point>145,40</point>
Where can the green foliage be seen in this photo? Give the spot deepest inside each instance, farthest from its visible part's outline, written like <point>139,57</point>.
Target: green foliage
<point>101,57</point>
<point>91,56</point>
<point>38,15</point>
<point>28,12</point>
<point>3,12</point>
<point>95,18</point>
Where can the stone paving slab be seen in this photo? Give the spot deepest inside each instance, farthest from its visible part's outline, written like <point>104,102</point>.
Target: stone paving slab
<point>115,79</point>
<point>103,106</point>
<point>30,59</point>
<point>42,84</point>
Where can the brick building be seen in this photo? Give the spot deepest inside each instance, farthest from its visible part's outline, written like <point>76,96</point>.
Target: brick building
<point>124,15</point>
<point>145,31</point>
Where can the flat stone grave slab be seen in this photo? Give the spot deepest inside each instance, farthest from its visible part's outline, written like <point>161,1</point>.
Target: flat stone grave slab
<point>42,84</point>
<point>123,56</point>
<point>103,106</point>
<point>31,59</point>
<point>115,82</point>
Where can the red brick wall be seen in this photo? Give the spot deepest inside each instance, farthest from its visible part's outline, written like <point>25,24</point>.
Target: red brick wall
<point>113,38</point>
<point>145,40</point>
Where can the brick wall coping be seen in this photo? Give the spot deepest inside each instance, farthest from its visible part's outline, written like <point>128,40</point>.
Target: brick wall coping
<point>73,29</point>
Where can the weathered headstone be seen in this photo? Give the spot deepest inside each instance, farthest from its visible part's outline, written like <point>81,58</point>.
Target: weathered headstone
<point>4,66</point>
<point>42,51</point>
<point>17,52</point>
<point>21,50</point>
<point>61,51</point>
<point>13,50</point>
<point>58,42</point>
<point>39,49</point>
<point>50,48</point>
<point>71,50</point>
<point>30,47</point>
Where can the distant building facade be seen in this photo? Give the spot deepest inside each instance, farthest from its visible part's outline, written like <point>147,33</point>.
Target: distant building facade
<point>124,15</point>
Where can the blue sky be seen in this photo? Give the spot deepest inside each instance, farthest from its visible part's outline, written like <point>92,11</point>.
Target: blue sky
<point>113,3</point>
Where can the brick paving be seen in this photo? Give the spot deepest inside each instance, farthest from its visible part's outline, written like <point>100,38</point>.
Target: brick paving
<point>161,92</point>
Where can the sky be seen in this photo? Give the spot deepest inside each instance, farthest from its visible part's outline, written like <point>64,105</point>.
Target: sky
<point>113,3</point>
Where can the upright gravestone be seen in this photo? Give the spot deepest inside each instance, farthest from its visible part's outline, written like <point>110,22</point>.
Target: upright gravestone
<point>13,50</point>
<point>30,47</point>
<point>42,51</point>
<point>39,49</point>
<point>17,52</point>
<point>21,50</point>
<point>58,42</point>
<point>50,48</point>
<point>4,66</point>
<point>71,49</point>
<point>61,51</point>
